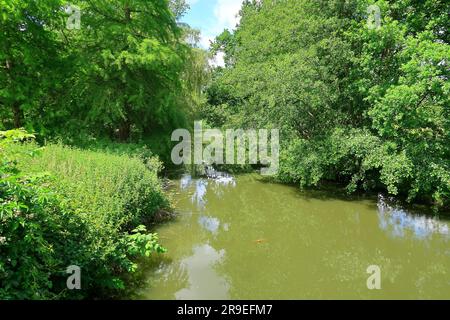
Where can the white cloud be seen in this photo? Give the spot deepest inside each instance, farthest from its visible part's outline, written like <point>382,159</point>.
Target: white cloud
<point>218,60</point>
<point>226,13</point>
<point>205,40</point>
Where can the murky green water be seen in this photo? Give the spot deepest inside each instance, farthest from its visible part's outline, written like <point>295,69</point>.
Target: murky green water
<point>246,239</point>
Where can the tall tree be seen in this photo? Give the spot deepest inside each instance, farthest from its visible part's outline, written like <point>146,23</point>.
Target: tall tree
<point>355,103</point>
<point>130,60</point>
<point>30,56</point>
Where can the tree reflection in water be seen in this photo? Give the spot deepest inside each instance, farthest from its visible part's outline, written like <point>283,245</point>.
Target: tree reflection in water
<point>397,222</point>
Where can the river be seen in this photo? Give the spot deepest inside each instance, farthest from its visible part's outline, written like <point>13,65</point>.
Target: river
<point>245,238</point>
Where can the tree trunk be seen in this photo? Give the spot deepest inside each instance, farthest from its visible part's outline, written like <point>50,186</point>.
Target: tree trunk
<point>127,13</point>
<point>124,131</point>
<point>18,115</point>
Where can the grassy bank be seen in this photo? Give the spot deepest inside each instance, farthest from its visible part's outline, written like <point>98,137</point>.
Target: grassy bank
<point>63,206</point>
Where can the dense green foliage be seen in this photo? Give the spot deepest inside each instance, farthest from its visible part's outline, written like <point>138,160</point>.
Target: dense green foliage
<point>357,104</point>
<point>87,209</point>
<point>363,105</point>
<point>126,72</point>
<point>123,73</point>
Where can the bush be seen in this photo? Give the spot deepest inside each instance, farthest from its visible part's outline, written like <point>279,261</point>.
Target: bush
<point>114,189</point>
<point>86,210</point>
<point>364,161</point>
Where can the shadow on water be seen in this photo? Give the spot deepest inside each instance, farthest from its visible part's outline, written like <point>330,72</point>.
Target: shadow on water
<point>330,191</point>
<point>395,217</point>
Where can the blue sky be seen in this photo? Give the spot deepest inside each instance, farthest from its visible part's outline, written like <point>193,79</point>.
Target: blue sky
<point>212,16</point>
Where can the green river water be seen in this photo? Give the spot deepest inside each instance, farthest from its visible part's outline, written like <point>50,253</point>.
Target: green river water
<point>243,238</point>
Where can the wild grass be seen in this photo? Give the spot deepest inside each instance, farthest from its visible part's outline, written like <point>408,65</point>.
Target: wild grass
<point>66,206</point>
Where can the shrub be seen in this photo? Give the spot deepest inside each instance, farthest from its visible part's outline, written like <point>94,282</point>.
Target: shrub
<point>364,161</point>
<point>85,210</point>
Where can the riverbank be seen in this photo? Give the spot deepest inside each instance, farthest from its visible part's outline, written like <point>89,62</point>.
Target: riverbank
<point>64,206</point>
